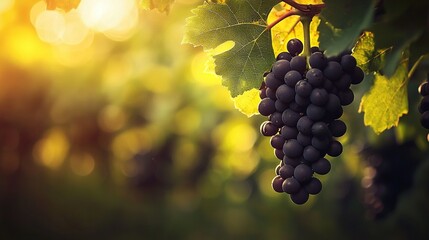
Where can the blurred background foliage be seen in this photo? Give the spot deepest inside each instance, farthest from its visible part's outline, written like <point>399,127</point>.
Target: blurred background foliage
<point>133,139</point>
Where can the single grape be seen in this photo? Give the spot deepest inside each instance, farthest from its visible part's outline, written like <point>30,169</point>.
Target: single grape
<point>292,77</point>
<point>303,139</point>
<point>268,129</point>
<point>318,60</point>
<point>344,82</point>
<point>297,108</point>
<point>298,63</point>
<point>322,166</point>
<point>314,186</point>
<point>424,104</point>
<point>423,89</point>
<point>271,93</point>
<point>424,119</point>
<point>346,97</point>
<point>314,49</point>
<point>320,129</point>
<point>284,56</point>
<point>272,82</point>
<point>280,106</point>
<point>333,106</point>
<point>279,154</point>
<point>289,132</point>
<point>333,71</point>
<point>292,148</point>
<point>277,169</point>
<point>348,63</point>
<point>302,101</point>
<point>285,94</point>
<point>311,154</point>
<point>276,119</point>
<point>266,107</point>
<point>277,141</point>
<point>329,86</point>
<point>290,118</point>
<point>277,183</point>
<point>290,185</point>
<point>338,128</point>
<point>280,68</point>
<point>294,46</point>
<point>291,161</point>
<point>304,125</point>
<point>315,77</point>
<point>320,144</point>
<point>319,96</point>
<point>300,197</point>
<point>286,171</point>
<point>302,173</point>
<point>315,113</point>
<point>335,149</point>
<point>303,88</point>
<point>357,75</point>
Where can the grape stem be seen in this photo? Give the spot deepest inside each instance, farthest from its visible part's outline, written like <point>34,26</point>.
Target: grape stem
<point>306,20</point>
<point>299,9</point>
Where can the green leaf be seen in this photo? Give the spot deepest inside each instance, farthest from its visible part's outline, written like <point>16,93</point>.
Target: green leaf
<point>248,102</point>
<point>244,23</point>
<point>161,5</point>
<point>367,57</point>
<point>342,21</point>
<point>387,100</point>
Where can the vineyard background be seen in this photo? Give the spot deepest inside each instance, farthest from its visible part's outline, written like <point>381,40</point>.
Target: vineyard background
<point>133,139</point>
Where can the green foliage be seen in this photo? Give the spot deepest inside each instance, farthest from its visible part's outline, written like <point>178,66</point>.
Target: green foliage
<point>366,56</point>
<point>342,23</point>
<point>387,100</point>
<point>244,23</point>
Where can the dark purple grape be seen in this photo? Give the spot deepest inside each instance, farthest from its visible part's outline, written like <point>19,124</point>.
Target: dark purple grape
<point>321,144</point>
<point>314,186</point>
<point>338,128</point>
<point>344,82</point>
<point>315,113</point>
<point>304,125</point>
<point>311,154</point>
<point>296,107</point>
<point>333,71</point>
<point>303,139</point>
<point>286,171</point>
<point>277,141</point>
<point>276,119</point>
<point>329,86</point>
<point>320,129</point>
<point>424,119</point>
<point>357,75</point>
<point>268,129</point>
<point>298,63</point>
<point>303,88</point>
<point>346,97</point>
<point>292,77</point>
<point>302,101</point>
<point>315,77</point>
<point>314,49</point>
<point>300,197</point>
<point>280,68</point>
<point>289,132</point>
<point>302,173</point>
<point>277,183</point>
<point>290,118</point>
<point>423,89</point>
<point>290,185</point>
<point>272,82</point>
<point>335,149</point>
<point>292,148</point>
<point>348,63</point>
<point>294,46</point>
<point>322,166</point>
<point>280,106</point>
<point>266,107</point>
<point>284,56</point>
<point>319,96</point>
<point>285,94</point>
<point>277,169</point>
<point>279,154</point>
<point>291,161</point>
<point>271,93</point>
<point>318,60</point>
<point>424,104</point>
<point>263,92</point>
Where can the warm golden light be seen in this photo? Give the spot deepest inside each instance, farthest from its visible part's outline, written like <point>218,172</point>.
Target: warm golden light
<point>50,26</point>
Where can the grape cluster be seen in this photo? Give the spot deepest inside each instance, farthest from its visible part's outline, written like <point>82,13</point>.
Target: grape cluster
<point>303,106</point>
<point>424,104</point>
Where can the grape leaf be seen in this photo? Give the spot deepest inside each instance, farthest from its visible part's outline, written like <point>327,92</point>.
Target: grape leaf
<point>65,5</point>
<point>291,28</point>
<point>248,102</point>
<point>387,100</point>
<point>161,5</point>
<point>342,21</point>
<point>368,58</point>
<point>241,21</point>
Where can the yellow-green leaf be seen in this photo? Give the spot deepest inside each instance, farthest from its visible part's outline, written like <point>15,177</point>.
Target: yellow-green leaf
<point>291,27</point>
<point>387,100</point>
<point>248,102</point>
<point>161,5</point>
